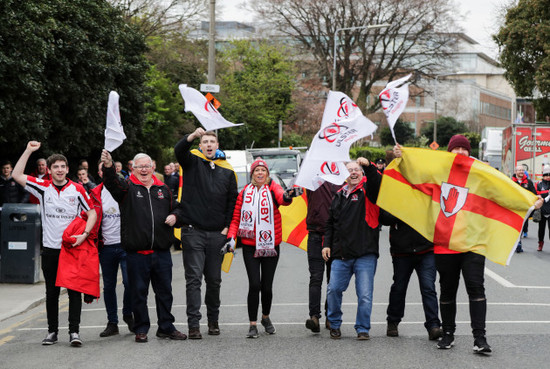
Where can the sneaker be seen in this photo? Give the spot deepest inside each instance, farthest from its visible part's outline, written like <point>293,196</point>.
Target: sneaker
<point>524,234</point>
<point>269,328</point>
<point>434,333</point>
<point>252,331</point>
<point>129,320</point>
<point>363,336</point>
<point>313,324</point>
<point>447,341</point>
<point>50,339</point>
<point>174,335</point>
<point>195,333</point>
<point>335,334</point>
<point>213,329</point>
<point>481,346</point>
<point>110,330</point>
<point>392,330</point>
<point>141,337</point>
<point>74,339</point>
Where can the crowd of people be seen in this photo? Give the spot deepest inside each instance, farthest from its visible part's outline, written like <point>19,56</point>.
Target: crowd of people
<point>130,215</point>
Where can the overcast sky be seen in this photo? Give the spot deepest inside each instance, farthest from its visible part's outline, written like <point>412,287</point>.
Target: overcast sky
<point>481,18</point>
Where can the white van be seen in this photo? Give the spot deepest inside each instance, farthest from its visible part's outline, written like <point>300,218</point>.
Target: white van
<point>241,161</point>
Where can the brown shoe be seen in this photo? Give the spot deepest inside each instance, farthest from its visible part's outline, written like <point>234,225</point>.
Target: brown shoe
<point>213,329</point>
<point>313,324</point>
<point>195,333</point>
<point>363,336</point>
<point>175,335</point>
<point>141,337</point>
<point>434,333</point>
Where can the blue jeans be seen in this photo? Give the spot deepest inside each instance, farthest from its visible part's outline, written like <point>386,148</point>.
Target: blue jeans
<point>154,269</point>
<point>110,257</point>
<point>403,267</point>
<point>340,275</point>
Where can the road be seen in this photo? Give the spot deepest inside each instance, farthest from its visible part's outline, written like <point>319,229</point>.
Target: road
<point>518,326</point>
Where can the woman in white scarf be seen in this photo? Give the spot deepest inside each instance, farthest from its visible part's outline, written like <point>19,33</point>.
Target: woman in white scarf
<point>257,221</point>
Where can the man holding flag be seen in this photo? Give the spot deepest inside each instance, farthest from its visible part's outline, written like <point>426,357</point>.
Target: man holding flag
<point>209,194</point>
<point>450,262</point>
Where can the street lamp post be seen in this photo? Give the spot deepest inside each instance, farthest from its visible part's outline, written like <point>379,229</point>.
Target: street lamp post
<point>374,26</point>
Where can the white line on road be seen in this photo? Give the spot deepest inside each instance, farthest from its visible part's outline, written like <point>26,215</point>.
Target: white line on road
<point>506,283</point>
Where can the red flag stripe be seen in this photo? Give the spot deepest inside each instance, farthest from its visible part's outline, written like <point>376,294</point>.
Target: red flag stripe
<point>298,234</point>
<point>458,175</point>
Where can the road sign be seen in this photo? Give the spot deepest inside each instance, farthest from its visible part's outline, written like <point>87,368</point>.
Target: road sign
<point>213,100</point>
<point>210,88</point>
<point>434,145</point>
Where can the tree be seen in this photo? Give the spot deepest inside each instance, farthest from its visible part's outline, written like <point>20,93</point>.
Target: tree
<point>524,42</point>
<point>365,57</point>
<point>403,133</point>
<point>60,59</point>
<point>155,17</point>
<point>256,88</point>
<point>447,127</point>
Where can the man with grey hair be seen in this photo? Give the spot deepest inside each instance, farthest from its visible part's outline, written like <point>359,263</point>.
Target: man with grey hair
<point>147,214</point>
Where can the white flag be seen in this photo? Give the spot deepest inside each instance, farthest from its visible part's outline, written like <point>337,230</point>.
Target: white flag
<point>343,124</point>
<point>314,172</point>
<point>114,133</point>
<point>204,110</point>
<point>394,100</point>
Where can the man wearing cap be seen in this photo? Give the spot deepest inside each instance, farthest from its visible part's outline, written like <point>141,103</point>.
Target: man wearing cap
<point>520,178</point>
<point>450,264</point>
<point>381,165</point>
<point>542,189</point>
<point>210,193</point>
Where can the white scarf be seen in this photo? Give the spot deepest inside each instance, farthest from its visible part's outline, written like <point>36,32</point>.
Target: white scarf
<point>257,213</point>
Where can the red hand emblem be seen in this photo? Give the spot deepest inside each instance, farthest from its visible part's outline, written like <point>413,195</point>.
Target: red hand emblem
<point>450,201</point>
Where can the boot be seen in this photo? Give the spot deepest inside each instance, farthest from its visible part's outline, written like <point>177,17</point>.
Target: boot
<point>541,243</point>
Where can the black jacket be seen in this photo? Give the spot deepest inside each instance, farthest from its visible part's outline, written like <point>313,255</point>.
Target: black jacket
<point>12,192</point>
<point>209,193</point>
<point>404,240</point>
<point>348,234</point>
<point>143,212</point>
<point>543,188</point>
<point>318,203</point>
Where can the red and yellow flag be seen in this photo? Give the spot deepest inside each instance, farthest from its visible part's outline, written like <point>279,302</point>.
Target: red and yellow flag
<point>293,218</point>
<point>456,202</point>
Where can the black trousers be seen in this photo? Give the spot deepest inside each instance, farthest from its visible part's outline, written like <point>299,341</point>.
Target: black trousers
<point>50,263</point>
<point>261,272</point>
<point>472,266</point>
<point>316,265</point>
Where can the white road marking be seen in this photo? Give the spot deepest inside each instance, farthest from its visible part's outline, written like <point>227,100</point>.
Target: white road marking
<point>506,283</point>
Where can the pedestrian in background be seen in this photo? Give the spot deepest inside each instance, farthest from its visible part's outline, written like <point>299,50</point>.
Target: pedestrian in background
<point>257,222</point>
<point>521,178</point>
<point>10,191</point>
<point>542,190</point>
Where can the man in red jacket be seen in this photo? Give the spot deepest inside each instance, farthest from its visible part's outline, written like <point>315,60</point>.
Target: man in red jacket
<point>61,201</point>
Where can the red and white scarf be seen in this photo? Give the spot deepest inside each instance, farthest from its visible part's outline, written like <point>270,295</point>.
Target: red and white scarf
<point>257,219</point>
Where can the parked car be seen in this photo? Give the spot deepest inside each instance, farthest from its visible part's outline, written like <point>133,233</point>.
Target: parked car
<point>282,162</point>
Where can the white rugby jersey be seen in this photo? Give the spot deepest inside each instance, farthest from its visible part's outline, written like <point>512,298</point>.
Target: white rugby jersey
<point>58,208</point>
<point>110,222</point>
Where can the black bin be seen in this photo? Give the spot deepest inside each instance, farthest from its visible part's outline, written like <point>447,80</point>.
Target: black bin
<point>20,243</point>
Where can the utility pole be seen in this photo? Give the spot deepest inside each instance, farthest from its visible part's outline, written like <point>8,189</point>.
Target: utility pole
<point>212,44</point>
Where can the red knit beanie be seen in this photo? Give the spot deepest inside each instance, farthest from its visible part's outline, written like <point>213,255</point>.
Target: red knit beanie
<point>459,141</point>
<point>258,162</point>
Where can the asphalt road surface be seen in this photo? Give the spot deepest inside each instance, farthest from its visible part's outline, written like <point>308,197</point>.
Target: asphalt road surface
<point>518,326</point>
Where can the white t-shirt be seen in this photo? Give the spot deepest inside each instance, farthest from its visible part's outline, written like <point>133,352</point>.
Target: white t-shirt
<point>58,208</point>
<point>110,222</point>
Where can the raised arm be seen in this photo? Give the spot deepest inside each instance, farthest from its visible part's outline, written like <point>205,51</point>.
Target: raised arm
<point>19,171</point>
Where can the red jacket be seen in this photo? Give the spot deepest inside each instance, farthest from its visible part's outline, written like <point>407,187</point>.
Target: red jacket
<point>277,194</point>
<point>78,268</point>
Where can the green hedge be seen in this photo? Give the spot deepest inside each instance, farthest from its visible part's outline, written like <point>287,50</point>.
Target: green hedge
<point>371,153</point>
